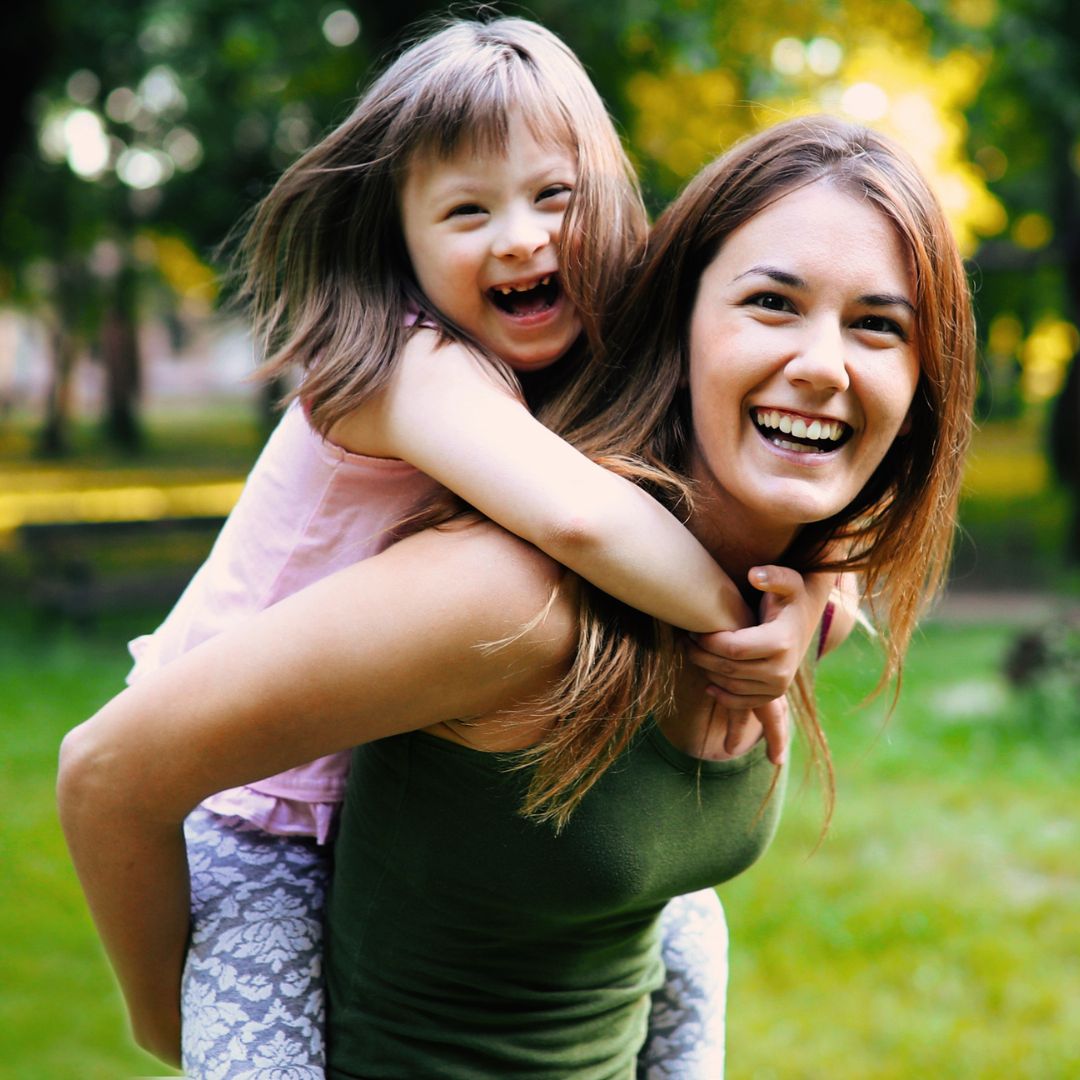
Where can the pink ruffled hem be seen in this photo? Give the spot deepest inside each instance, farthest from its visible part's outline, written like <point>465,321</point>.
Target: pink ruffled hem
<point>276,815</point>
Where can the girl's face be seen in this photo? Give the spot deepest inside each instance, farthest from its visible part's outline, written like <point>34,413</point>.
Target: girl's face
<point>482,232</point>
<point>802,360</point>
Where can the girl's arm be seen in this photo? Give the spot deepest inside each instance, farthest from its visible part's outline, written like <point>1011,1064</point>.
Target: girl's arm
<point>447,413</point>
<point>386,646</point>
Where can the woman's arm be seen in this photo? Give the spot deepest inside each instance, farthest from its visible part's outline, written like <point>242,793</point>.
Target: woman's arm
<point>387,646</point>
<point>448,414</point>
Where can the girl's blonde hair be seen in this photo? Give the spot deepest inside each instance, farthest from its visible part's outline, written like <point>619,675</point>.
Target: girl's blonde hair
<point>323,260</point>
<point>631,409</point>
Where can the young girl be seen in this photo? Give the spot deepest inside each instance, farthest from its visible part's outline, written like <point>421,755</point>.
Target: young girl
<point>435,263</point>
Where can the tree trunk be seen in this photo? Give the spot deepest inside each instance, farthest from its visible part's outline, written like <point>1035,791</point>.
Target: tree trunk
<point>54,439</point>
<point>120,355</point>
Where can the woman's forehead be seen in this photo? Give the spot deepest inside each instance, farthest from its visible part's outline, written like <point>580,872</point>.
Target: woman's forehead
<point>822,231</point>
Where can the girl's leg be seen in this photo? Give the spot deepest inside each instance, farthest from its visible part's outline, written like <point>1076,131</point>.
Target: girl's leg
<point>252,989</point>
<point>686,1022</point>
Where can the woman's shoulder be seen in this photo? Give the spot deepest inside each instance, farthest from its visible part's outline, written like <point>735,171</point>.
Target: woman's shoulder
<point>486,605</point>
<point>509,583</point>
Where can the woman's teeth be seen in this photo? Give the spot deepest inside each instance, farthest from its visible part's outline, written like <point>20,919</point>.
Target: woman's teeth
<point>826,434</point>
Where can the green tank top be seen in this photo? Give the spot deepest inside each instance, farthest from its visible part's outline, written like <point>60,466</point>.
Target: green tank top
<point>465,942</point>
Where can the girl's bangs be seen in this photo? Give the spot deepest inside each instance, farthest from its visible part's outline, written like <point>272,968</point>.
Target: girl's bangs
<point>473,115</point>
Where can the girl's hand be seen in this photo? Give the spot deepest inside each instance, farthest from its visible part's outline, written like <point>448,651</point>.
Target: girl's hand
<point>750,668</point>
<point>742,729</point>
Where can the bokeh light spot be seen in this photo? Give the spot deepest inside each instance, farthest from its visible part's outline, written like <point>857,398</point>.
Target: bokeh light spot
<point>824,56</point>
<point>1032,231</point>
<point>865,101</point>
<point>788,56</point>
<point>341,27</point>
<point>83,86</point>
<point>87,144</point>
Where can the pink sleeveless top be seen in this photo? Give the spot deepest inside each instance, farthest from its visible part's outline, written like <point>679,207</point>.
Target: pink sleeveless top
<point>308,509</point>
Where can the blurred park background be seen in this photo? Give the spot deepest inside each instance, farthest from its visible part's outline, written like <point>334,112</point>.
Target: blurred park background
<point>935,933</point>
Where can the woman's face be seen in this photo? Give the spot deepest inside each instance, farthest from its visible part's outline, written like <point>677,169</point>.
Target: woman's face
<point>802,360</point>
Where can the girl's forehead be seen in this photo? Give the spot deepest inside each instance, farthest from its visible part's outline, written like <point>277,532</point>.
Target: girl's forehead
<point>491,135</point>
<point>516,142</point>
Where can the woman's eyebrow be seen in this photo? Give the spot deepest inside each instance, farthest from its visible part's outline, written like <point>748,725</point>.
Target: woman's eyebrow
<point>887,300</point>
<point>782,277</point>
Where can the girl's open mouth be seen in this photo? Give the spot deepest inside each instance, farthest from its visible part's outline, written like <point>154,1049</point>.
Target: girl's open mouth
<point>532,298</point>
<point>790,431</point>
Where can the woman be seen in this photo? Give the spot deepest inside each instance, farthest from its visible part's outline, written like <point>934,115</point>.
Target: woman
<point>797,354</point>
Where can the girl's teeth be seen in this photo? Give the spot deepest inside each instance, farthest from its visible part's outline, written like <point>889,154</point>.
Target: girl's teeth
<point>785,424</point>
<point>798,428</point>
<point>506,290</point>
<point>814,430</point>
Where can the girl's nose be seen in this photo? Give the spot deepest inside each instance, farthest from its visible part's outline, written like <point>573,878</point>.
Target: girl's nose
<point>820,362</point>
<point>520,237</point>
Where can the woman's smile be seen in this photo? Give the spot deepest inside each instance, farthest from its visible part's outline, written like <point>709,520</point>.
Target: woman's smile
<point>801,434</point>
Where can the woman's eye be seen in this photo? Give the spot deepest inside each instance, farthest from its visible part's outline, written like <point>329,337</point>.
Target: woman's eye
<point>880,324</point>
<point>770,302</point>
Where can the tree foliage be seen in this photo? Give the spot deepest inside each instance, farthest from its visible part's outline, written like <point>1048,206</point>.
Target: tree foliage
<point>188,109</point>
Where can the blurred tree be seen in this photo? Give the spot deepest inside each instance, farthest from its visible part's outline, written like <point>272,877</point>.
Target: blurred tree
<point>158,123</point>
<point>1025,136</point>
<point>158,119</point>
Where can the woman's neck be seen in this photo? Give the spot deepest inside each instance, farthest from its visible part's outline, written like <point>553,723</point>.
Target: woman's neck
<point>735,541</point>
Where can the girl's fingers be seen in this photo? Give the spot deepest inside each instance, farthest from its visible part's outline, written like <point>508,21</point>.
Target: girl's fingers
<point>737,721</point>
<point>726,649</point>
<point>779,581</point>
<point>740,702</point>
<point>751,643</point>
<point>774,719</point>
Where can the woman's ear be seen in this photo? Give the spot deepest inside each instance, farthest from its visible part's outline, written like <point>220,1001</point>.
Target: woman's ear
<point>905,427</point>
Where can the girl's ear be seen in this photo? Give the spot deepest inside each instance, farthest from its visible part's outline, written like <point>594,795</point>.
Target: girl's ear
<point>905,427</point>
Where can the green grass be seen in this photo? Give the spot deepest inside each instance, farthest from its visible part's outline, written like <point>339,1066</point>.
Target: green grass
<point>60,1015</point>
<point>933,934</point>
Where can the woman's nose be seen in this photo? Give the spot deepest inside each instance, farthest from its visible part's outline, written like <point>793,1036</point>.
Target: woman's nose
<point>520,236</point>
<point>820,362</point>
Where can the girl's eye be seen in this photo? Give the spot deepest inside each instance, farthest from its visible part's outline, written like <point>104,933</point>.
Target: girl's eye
<point>770,302</point>
<point>466,210</point>
<point>555,191</point>
<point>880,324</point>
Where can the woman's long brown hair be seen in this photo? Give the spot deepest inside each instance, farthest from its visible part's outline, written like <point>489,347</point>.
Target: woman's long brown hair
<point>630,410</point>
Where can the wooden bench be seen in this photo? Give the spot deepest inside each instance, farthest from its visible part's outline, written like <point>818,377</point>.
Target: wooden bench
<point>83,569</point>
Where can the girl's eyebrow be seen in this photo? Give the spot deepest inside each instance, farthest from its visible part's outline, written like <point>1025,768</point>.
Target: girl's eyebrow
<point>783,277</point>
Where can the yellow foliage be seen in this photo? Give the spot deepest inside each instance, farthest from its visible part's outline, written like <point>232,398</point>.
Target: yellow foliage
<point>1005,335</point>
<point>685,118</point>
<point>887,78</point>
<point>975,13</point>
<point>1032,231</point>
<point>188,276</point>
<point>1045,356</point>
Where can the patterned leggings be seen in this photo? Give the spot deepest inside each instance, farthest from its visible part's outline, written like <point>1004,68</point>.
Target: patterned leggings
<point>252,994</point>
